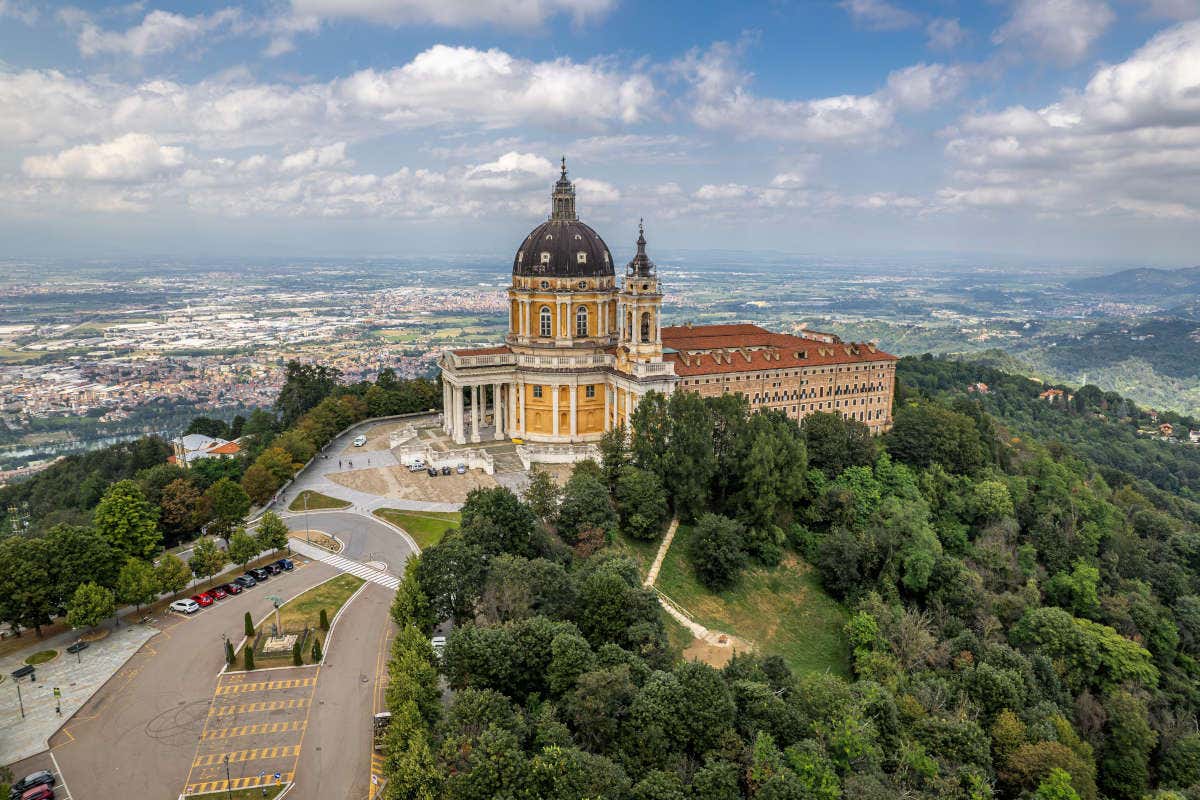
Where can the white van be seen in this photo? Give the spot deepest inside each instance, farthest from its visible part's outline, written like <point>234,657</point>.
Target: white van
<point>360,440</point>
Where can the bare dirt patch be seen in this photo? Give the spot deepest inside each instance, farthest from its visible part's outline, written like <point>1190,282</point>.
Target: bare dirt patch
<point>716,649</point>
<point>398,482</point>
<point>378,438</point>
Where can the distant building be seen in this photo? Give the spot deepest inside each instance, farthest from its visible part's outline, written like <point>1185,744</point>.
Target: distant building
<point>1055,396</point>
<point>1166,429</point>
<point>1194,437</point>
<point>582,350</point>
<point>979,388</point>
<point>193,446</point>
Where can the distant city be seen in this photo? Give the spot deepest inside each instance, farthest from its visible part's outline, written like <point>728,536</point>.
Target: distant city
<point>94,354</point>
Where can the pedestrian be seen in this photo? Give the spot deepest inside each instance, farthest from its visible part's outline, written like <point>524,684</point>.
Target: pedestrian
<point>339,463</point>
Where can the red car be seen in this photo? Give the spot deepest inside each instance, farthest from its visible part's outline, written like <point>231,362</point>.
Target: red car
<point>232,588</point>
<point>202,600</point>
<point>42,792</point>
<point>218,593</point>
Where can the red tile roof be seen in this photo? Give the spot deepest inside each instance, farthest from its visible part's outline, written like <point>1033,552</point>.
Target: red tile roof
<point>709,349</point>
<point>227,449</point>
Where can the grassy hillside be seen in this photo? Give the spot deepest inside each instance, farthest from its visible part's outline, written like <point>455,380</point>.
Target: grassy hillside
<point>783,610</point>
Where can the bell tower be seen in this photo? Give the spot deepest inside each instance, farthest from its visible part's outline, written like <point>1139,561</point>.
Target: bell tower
<point>640,305</point>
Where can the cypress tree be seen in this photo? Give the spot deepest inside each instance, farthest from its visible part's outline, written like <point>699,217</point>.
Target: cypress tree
<point>249,625</point>
<point>324,620</point>
<point>296,660</point>
<point>229,656</point>
<point>316,650</point>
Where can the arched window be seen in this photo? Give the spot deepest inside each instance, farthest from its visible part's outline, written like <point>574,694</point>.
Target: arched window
<point>645,326</point>
<point>629,324</point>
<point>546,321</point>
<point>581,321</point>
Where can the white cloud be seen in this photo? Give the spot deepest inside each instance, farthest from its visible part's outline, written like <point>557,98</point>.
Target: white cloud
<point>879,15</point>
<point>513,171</point>
<point>1061,31</point>
<point>722,100</point>
<point>1174,9</point>
<point>455,13</point>
<point>1129,142</point>
<point>596,192</point>
<point>944,34</point>
<point>132,157</point>
<point>159,32</point>
<point>17,9</point>
<point>332,155</point>
<point>440,86</point>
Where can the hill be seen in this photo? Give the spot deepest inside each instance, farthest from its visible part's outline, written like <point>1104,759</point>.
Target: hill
<point>1145,283</point>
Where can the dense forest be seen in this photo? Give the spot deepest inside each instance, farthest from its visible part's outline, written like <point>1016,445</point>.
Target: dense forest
<point>1024,596</point>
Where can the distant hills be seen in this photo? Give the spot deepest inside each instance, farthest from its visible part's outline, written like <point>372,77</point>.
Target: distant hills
<point>1167,286</point>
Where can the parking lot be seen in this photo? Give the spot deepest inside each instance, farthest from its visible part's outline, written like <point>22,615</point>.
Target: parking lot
<point>157,724</point>
<point>254,729</point>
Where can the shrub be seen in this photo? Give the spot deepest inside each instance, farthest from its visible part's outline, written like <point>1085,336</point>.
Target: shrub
<point>316,650</point>
<point>229,656</point>
<point>296,659</point>
<point>249,655</point>
<point>249,625</point>
<point>717,550</point>
<point>324,620</point>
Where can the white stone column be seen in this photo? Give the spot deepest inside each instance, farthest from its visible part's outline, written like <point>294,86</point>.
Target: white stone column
<point>497,411</point>
<point>476,417</point>
<point>521,407</point>
<point>510,407</point>
<point>574,411</point>
<point>554,409</point>
<point>460,433</point>
<point>629,403</point>
<point>445,406</point>
<point>607,413</point>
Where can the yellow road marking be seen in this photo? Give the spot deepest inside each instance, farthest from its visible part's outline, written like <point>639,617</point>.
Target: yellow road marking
<point>249,782</point>
<point>264,686</point>
<point>252,730</point>
<point>377,703</point>
<point>247,755</point>
<point>250,708</point>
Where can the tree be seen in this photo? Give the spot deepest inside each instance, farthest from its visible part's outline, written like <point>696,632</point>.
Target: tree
<point>1056,786</point>
<point>928,433</point>
<point>259,484</point>
<point>248,655</point>
<point>173,575</point>
<point>229,655</point>
<point>127,520</point>
<point>1125,759</point>
<point>242,547</point>
<point>651,428</point>
<point>81,554</point>
<point>410,605</point>
<point>451,575</point>
<point>585,504</point>
<point>835,443</point>
<point>228,504</point>
<point>690,461</point>
<point>496,521</point>
<point>206,426</point>
<point>272,532</point>
<point>153,480</point>
<point>642,502</point>
<point>296,659</point>
<point>541,495</point>
<point>304,386</point>
<point>207,559</point>
<point>324,620</point>
<point>137,583</point>
<point>89,605</point>
<point>248,624</point>
<point>180,510</point>
<point>717,550</point>
<point>1076,591</point>
<point>316,651</point>
<point>27,599</point>
<point>614,454</point>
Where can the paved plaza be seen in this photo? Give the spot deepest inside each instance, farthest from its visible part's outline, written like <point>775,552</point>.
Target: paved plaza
<point>77,678</point>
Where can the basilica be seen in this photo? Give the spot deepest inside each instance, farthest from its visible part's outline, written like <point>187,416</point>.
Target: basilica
<point>582,349</point>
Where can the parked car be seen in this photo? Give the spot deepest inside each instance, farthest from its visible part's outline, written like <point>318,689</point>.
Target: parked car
<point>461,469</point>
<point>245,581</point>
<point>360,440</point>
<point>31,781</point>
<point>202,600</point>
<point>259,574</point>
<point>416,466</point>
<point>439,644</point>
<point>286,564</point>
<point>446,470</point>
<point>38,793</point>
<point>273,567</point>
<point>433,473</point>
<point>185,606</point>
<point>231,588</point>
<point>217,593</point>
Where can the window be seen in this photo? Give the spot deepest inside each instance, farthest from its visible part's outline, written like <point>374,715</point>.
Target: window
<point>545,322</point>
<point>589,392</point>
<point>645,326</point>
<point>520,256</point>
<point>537,392</point>
<point>581,257</point>
<point>545,257</point>
<point>581,321</point>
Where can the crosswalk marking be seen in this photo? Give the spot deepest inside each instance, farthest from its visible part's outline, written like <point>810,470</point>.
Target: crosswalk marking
<point>247,755</point>
<point>346,565</point>
<point>252,730</point>
<point>263,686</point>
<point>249,782</point>
<point>249,708</point>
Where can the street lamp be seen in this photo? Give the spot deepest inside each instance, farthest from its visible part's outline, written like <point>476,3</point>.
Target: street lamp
<point>306,531</point>
<point>228,781</point>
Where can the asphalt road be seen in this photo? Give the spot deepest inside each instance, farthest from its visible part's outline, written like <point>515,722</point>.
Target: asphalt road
<point>335,761</point>
<point>137,736</point>
<point>366,538</point>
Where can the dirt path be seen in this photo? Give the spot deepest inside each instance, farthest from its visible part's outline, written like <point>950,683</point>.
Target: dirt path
<point>652,575</point>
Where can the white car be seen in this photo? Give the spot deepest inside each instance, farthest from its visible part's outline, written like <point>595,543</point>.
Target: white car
<point>461,469</point>
<point>417,466</point>
<point>360,440</point>
<point>185,606</point>
<point>439,645</point>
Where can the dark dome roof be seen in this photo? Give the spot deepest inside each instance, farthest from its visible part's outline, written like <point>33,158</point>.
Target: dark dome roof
<point>564,240</point>
<point>562,246</point>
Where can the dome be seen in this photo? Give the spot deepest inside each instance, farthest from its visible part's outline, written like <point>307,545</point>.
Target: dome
<point>562,246</point>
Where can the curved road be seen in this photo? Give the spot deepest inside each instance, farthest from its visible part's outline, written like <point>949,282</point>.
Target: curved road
<point>366,537</point>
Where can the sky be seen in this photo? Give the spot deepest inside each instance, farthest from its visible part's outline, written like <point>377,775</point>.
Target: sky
<point>1017,131</point>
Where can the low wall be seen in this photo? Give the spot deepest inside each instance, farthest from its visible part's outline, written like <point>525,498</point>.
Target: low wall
<point>556,453</point>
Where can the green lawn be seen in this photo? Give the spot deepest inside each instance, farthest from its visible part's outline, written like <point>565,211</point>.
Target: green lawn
<point>641,552</point>
<point>426,527</point>
<point>783,610</point>
<point>306,608</point>
<point>41,657</point>
<point>316,501</point>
